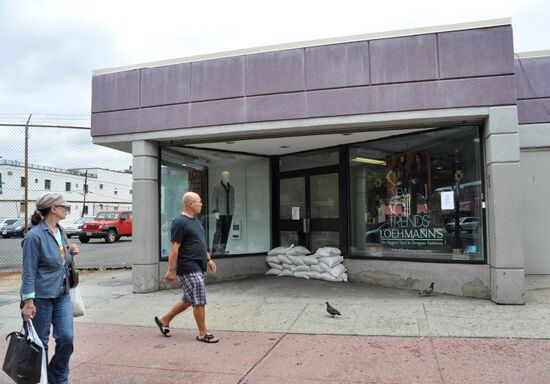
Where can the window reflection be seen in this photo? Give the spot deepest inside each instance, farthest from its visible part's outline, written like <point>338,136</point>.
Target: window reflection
<point>235,190</point>
<point>410,194</point>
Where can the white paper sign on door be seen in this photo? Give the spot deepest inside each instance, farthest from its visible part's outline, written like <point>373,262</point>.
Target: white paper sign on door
<point>447,200</point>
<point>295,213</point>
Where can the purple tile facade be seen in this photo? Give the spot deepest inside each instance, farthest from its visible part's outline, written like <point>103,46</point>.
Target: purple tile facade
<point>217,79</point>
<point>165,85</point>
<point>404,59</point>
<point>477,52</point>
<point>337,65</point>
<point>533,85</point>
<point>456,69</point>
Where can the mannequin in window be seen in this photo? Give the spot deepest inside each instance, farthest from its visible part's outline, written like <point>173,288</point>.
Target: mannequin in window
<point>397,177</point>
<point>223,206</point>
<point>403,175</point>
<point>392,177</point>
<point>419,182</point>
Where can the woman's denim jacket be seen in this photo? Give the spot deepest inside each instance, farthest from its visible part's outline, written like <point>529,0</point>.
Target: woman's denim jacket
<point>43,269</point>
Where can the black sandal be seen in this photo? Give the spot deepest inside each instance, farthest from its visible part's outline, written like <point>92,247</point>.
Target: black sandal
<point>164,330</point>
<point>208,338</point>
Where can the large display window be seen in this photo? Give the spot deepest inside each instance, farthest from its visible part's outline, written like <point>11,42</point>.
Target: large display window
<point>235,189</point>
<point>418,196</point>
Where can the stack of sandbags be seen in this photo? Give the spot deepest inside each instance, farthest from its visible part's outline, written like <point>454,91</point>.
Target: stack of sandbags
<point>325,264</point>
<point>273,261</point>
<point>330,261</point>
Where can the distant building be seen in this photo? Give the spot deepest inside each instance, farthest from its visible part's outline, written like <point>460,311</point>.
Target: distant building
<point>106,189</point>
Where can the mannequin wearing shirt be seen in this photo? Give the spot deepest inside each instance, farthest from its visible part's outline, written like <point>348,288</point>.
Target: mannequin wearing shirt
<point>223,206</point>
<point>418,182</point>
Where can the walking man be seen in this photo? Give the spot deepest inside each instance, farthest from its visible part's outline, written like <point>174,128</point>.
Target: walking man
<point>189,260</point>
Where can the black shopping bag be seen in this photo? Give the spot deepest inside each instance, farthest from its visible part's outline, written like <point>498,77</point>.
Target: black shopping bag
<point>23,361</point>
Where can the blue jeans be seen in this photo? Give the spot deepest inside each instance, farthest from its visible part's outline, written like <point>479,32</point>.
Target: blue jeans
<point>59,313</point>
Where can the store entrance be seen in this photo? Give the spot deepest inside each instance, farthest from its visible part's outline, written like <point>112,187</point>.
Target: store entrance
<point>309,208</point>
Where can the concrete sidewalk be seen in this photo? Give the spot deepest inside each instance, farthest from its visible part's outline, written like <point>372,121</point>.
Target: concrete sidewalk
<point>276,330</point>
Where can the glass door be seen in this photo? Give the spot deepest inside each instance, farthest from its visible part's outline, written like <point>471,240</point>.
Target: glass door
<point>310,210</point>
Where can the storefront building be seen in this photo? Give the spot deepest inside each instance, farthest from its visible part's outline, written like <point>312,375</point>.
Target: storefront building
<point>401,149</point>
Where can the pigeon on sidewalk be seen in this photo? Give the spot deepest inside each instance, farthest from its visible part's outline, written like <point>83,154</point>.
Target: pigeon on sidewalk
<point>331,310</point>
<point>428,291</point>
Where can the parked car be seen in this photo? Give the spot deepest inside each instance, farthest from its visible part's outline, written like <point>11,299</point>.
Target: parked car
<point>74,228</point>
<point>465,224</point>
<point>7,221</point>
<point>16,229</point>
<point>107,225</point>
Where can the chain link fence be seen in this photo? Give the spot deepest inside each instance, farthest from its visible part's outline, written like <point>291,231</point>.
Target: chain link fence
<point>40,156</point>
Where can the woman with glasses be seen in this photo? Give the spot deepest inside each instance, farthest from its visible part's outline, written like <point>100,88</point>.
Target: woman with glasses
<point>45,285</point>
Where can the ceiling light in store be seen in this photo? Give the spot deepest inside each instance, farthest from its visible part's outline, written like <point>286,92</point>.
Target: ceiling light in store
<point>366,160</point>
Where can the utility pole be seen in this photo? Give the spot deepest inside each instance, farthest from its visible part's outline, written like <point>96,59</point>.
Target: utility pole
<point>85,191</point>
<point>27,174</point>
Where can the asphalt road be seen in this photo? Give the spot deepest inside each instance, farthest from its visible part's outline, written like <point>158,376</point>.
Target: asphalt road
<point>95,254</point>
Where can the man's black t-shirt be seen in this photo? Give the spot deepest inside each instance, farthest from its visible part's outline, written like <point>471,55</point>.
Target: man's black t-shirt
<point>189,233</point>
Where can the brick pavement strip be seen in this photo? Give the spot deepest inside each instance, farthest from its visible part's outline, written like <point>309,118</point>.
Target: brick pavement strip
<point>134,354</point>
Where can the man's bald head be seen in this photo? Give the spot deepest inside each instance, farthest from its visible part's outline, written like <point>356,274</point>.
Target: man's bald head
<point>188,198</point>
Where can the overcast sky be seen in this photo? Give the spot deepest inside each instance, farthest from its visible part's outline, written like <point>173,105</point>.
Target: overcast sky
<point>49,48</point>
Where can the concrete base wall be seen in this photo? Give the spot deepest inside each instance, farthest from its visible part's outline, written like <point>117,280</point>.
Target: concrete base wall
<point>508,286</point>
<point>228,269</point>
<point>455,279</point>
<point>145,278</point>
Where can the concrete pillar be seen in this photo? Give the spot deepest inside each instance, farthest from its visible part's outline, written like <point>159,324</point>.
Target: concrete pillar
<point>145,199</point>
<point>504,215</point>
<point>361,204</point>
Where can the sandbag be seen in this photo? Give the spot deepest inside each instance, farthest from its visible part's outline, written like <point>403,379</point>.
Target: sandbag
<point>328,252</point>
<point>331,261</point>
<point>286,272</point>
<point>275,265</point>
<point>273,271</point>
<point>337,270</point>
<point>289,267</point>
<point>302,274</point>
<point>310,260</point>
<point>328,277</point>
<point>296,260</point>
<point>283,259</point>
<point>297,251</point>
<point>301,268</point>
<point>278,251</point>
<point>316,268</point>
<point>272,259</point>
<point>313,275</point>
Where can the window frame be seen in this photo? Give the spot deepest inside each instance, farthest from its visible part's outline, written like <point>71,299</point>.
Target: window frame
<point>482,217</point>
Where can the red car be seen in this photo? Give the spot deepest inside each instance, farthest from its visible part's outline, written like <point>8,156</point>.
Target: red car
<point>110,226</point>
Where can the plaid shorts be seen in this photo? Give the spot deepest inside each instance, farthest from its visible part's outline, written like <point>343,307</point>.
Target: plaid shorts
<point>193,288</point>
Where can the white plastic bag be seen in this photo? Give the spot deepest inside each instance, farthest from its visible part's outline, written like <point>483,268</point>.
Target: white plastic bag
<point>33,336</point>
<point>77,303</point>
